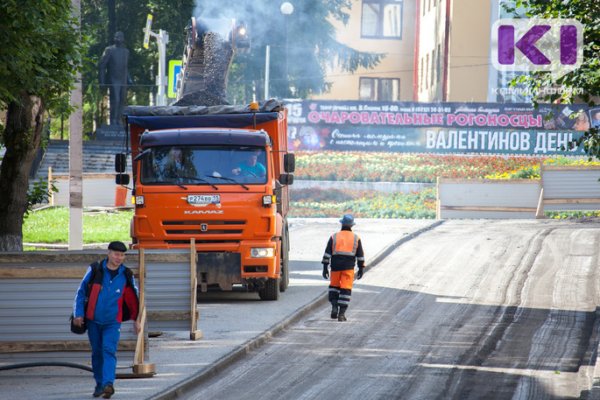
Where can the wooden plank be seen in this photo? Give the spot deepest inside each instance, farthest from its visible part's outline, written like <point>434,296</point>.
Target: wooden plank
<point>539,213</point>
<point>571,167</point>
<point>438,214</point>
<point>139,349</point>
<point>193,286</point>
<point>57,345</point>
<point>168,315</point>
<point>138,357</point>
<point>84,257</point>
<point>86,176</point>
<point>488,181</point>
<point>489,208</point>
<point>572,201</point>
<point>25,272</point>
<point>166,256</point>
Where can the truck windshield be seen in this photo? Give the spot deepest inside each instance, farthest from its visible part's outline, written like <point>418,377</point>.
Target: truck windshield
<point>203,165</point>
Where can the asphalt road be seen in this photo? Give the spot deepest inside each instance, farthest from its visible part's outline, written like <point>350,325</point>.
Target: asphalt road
<point>469,310</point>
<point>232,324</point>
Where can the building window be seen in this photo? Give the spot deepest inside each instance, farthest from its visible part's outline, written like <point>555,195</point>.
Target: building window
<point>381,19</point>
<point>379,89</point>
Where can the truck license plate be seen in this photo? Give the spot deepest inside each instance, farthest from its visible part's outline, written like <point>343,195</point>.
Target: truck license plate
<point>203,199</point>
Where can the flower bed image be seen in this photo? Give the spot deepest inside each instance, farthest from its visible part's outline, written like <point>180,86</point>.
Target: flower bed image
<point>394,167</point>
<point>362,204</point>
<point>533,171</point>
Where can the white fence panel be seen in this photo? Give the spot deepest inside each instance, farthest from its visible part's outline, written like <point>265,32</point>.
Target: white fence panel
<point>486,198</point>
<point>569,188</point>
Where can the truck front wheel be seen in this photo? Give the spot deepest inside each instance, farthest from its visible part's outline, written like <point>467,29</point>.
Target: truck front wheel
<point>270,291</point>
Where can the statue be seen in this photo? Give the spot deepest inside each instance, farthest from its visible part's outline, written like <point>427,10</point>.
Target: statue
<point>113,73</point>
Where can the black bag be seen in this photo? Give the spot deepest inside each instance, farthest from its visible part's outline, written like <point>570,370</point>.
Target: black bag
<point>80,330</point>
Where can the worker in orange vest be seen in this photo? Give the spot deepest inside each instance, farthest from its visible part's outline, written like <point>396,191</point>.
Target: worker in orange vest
<point>343,251</point>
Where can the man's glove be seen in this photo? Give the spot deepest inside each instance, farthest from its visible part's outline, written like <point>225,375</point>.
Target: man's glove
<point>325,271</point>
<point>359,274</point>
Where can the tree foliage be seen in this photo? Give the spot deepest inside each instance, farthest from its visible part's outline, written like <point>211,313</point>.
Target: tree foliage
<point>582,84</point>
<point>39,58</point>
<point>40,50</point>
<point>130,18</point>
<point>302,45</point>
<point>309,48</point>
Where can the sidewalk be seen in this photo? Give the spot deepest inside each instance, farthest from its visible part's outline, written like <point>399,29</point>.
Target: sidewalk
<point>232,323</point>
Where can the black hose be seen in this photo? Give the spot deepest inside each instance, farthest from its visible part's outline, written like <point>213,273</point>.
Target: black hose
<point>45,364</point>
<point>70,365</point>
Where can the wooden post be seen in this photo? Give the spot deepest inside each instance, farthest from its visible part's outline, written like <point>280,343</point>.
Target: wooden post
<point>195,333</point>
<point>51,197</point>
<point>438,211</point>
<point>138,359</point>
<point>539,213</point>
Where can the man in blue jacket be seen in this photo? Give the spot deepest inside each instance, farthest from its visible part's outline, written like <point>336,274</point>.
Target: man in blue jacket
<point>106,297</point>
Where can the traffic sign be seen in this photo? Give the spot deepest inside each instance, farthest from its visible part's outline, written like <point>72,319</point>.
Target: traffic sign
<point>174,69</point>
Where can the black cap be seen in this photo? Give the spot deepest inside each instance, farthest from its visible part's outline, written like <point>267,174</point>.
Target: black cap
<point>117,246</point>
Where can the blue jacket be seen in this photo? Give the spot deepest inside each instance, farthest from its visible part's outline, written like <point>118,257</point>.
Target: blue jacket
<point>109,302</point>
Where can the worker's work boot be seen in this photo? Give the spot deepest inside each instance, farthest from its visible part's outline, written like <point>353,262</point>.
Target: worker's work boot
<point>98,391</point>
<point>334,311</point>
<point>109,390</point>
<point>342,315</point>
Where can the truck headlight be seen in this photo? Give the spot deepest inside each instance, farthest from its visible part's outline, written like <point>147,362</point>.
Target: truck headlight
<point>267,200</point>
<point>262,252</point>
<point>139,201</point>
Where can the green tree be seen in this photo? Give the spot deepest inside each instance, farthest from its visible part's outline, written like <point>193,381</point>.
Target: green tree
<point>302,45</point>
<point>40,55</point>
<point>99,25</point>
<point>582,84</point>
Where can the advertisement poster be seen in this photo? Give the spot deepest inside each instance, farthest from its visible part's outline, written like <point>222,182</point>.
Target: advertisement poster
<point>483,128</point>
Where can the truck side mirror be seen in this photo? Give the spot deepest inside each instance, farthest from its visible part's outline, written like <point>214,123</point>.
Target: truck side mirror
<point>286,179</point>
<point>120,162</point>
<point>122,179</point>
<point>289,162</point>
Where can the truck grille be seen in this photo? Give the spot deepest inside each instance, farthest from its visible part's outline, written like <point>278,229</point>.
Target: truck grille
<point>212,228</point>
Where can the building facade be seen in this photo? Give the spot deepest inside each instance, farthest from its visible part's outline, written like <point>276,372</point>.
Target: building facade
<point>377,26</point>
<point>435,51</point>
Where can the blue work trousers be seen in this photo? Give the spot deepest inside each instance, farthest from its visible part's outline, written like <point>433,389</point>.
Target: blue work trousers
<point>104,339</point>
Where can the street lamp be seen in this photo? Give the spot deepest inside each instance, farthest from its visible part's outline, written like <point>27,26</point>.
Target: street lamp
<point>286,9</point>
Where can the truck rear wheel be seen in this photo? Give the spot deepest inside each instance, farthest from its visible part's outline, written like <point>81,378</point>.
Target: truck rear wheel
<point>270,291</point>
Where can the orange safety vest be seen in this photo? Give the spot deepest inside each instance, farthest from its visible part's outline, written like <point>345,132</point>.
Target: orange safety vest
<point>345,243</point>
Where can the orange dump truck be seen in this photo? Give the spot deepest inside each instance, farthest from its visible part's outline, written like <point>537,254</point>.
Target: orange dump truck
<point>219,175</point>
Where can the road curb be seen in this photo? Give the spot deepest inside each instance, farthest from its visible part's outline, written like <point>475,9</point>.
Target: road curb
<point>180,388</point>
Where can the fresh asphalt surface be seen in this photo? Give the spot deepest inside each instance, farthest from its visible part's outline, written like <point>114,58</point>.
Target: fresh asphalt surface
<point>232,324</point>
<point>468,310</point>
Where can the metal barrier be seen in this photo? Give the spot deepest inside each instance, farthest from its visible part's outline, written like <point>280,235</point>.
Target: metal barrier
<point>37,291</point>
<point>99,190</point>
<point>560,188</point>
<point>487,198</point>
<point>170,289</point>
<point>569,188</point>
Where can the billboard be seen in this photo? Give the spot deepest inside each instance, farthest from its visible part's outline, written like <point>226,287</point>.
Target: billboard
<point>436,127</point>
